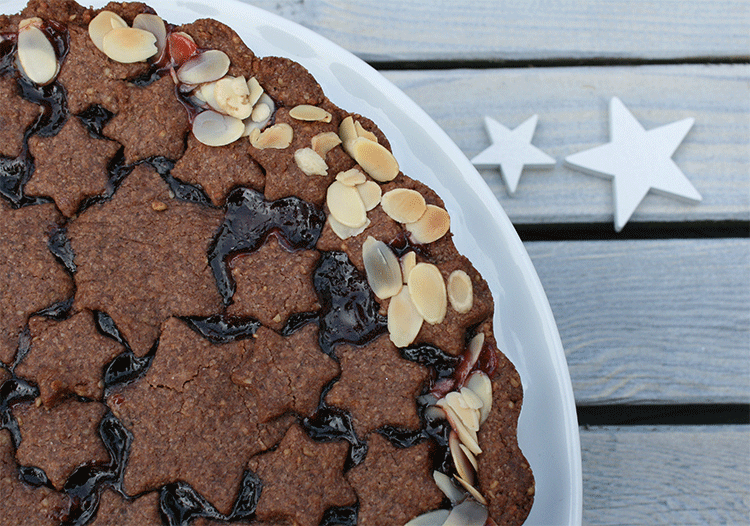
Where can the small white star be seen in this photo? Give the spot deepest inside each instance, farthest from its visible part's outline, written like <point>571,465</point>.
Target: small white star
<point>637,160</point>
<point>511,151</point>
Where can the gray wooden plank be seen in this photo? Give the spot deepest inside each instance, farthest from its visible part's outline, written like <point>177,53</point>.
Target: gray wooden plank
<point>666,475</point>
<point>572,104</point>
<point>392,30</point>
<point>645,321</point>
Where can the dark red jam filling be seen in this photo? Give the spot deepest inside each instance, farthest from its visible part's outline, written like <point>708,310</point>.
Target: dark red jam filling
<point>223,329</point>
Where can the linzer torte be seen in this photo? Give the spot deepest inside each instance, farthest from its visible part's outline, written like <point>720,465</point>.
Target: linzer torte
<point>222,301</point>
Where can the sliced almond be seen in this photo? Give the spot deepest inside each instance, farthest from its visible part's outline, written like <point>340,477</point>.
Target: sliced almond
<point>470,398</point>
<point>481,385</point>
<point>128,45</point>
<point>255,89</point>
<point>469,417</point>
<point>468,513</point>
<point>404,321</point>
<point>351,177</point>
<point>361,132</point>
<point>36,56</point>
<point>376,160</point>
<point>214,129</point>
<point>345,232</point>
<point>472,490</point>
<point>310,162</point>
<point>206,93</point>
<point>346,205</point>
<point>431,518</point>
<point>474,350</point>
<point>233,97</point>
<point>371,193</point>
<point>382,268</point>
<point>427,290</point>
<point>102,24</point>
<point>464,469</point>
<point>460,291</point>
<point>307,112</point>
<point>33,21</point>
<point>470,456</point>
<point>433,225</point>
<point>403,205</point>
<point>347,132</point>
<point>408,262</point>
<point>467,436</point>
<point>278,136</point>
<point>449,489</point>
<point>261,112</point>
<point>207,66</point>
<point>325,142</point>
<point>434,412</point>
<point>154,25</point>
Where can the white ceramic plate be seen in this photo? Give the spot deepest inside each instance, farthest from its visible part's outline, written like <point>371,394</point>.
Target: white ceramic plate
<point>524,325</point>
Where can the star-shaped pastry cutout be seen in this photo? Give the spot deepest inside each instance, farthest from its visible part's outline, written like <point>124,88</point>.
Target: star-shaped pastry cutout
<point>301,479</point>
<point>512,150</point>
<point>637,160</point>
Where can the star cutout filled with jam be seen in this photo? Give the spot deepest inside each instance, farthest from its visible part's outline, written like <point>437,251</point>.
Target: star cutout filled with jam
<point>301,479</point>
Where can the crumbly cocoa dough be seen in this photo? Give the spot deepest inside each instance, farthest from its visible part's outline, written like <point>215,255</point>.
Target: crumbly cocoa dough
<point>60,439</point>
<point>287,374</point>
<point>287,82</point>
<point>219,170</point>
<point>32,278</point>
<point>189,421</point>
<point>273,283</point>
<point>382,500</point>
<point>377,386</point>
<point>70,166</point>
<point>67,357</point>
<point>151,122</point>
<point>64,11</point>
<point>115,510</point>
<point>16,115</point>
<point>142,257</point>
<point>23,504</point>
<point>4,374</point>
<point>301,479</point>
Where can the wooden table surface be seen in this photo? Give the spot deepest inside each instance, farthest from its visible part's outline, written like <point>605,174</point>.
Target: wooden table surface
<point>655,320</point>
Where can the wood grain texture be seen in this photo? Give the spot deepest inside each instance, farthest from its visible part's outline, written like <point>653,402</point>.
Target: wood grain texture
<point>666,475</point>
<point>572,104</point>
<point>392,30</point>
<point>664,321</point>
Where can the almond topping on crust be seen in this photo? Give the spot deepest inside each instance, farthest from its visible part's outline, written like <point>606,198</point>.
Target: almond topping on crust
<point>233,97</point>
<point>460,291</point>
<point>345,232</point>
<point>345,205</point>
<point>446,485</point>
<point>36,56</point>
<point>376,160</point>
<point>255,90</point>
<point>427,290</point>
<point>207,66</point>
<point>154,25</point>
<point>403,205</point>
<point>481,385</point>
<point>382,268</point>
<point>351,177</point>
<point>472,490</point>
<point>214,129</point>
<point>102,24</point>
<point>347,131</point>
<point>408,262</point>
<point>404,321</point>
<point>324,142</point>
<point>306,112</point>
<point>431,518</point>
<point>370,193</point>
<point>128,45</point>
<point>278,136</point>
<point>310,162</point>
<point>464,468</point>
<point>468,513</point>
<point>433,225</point>
<point>361,132</point>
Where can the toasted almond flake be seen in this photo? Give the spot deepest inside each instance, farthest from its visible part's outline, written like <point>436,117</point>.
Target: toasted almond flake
<point>468,513</point>
<point>347,132</point>
<point>214,129</point>
<point>233,97</point>
<point>102,24</point>
<point>408,262</point>
<point>382,268</point>
<point>404,321</point>
<point>361,132</point>
<point>261,112</point>
<point>351,177</point>
<point>324,142</point>
<point>467,436</point>
<point>128,45</point>
<point>158,206</point>
<point>463,466</point>
<point>481,385</point>
<point>470,456</point>
<point>460,291</point>
<point>345,232</point>
<point>207,66</point>
<point>36,56</point>
<point>470,398</point>
<point>449,489</point>
<point>431,518</point>
<point>469,417</point>
<point>206,93</point>
<point>475,349</point>
<point>403,205</point>
<point>310,162</point>
<point>376,160</point>
<point>370,193</point>
<point>472,490</point>
<point>434,413</point>
<point>255,89</point>
<point>307,112</point>
<point>33,21</point>
<point>433,225</point>
<point>346,205</point>
<point>278,136</point>
<point>154,25</point>
<point>427,290</point>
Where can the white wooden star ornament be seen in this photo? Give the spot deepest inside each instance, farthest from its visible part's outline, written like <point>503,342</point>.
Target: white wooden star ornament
<point>638,161</point>
<point>512,151</point>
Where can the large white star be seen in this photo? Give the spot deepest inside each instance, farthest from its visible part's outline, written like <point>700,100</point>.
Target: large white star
<point>638,161</point>
<point>511,151</point>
